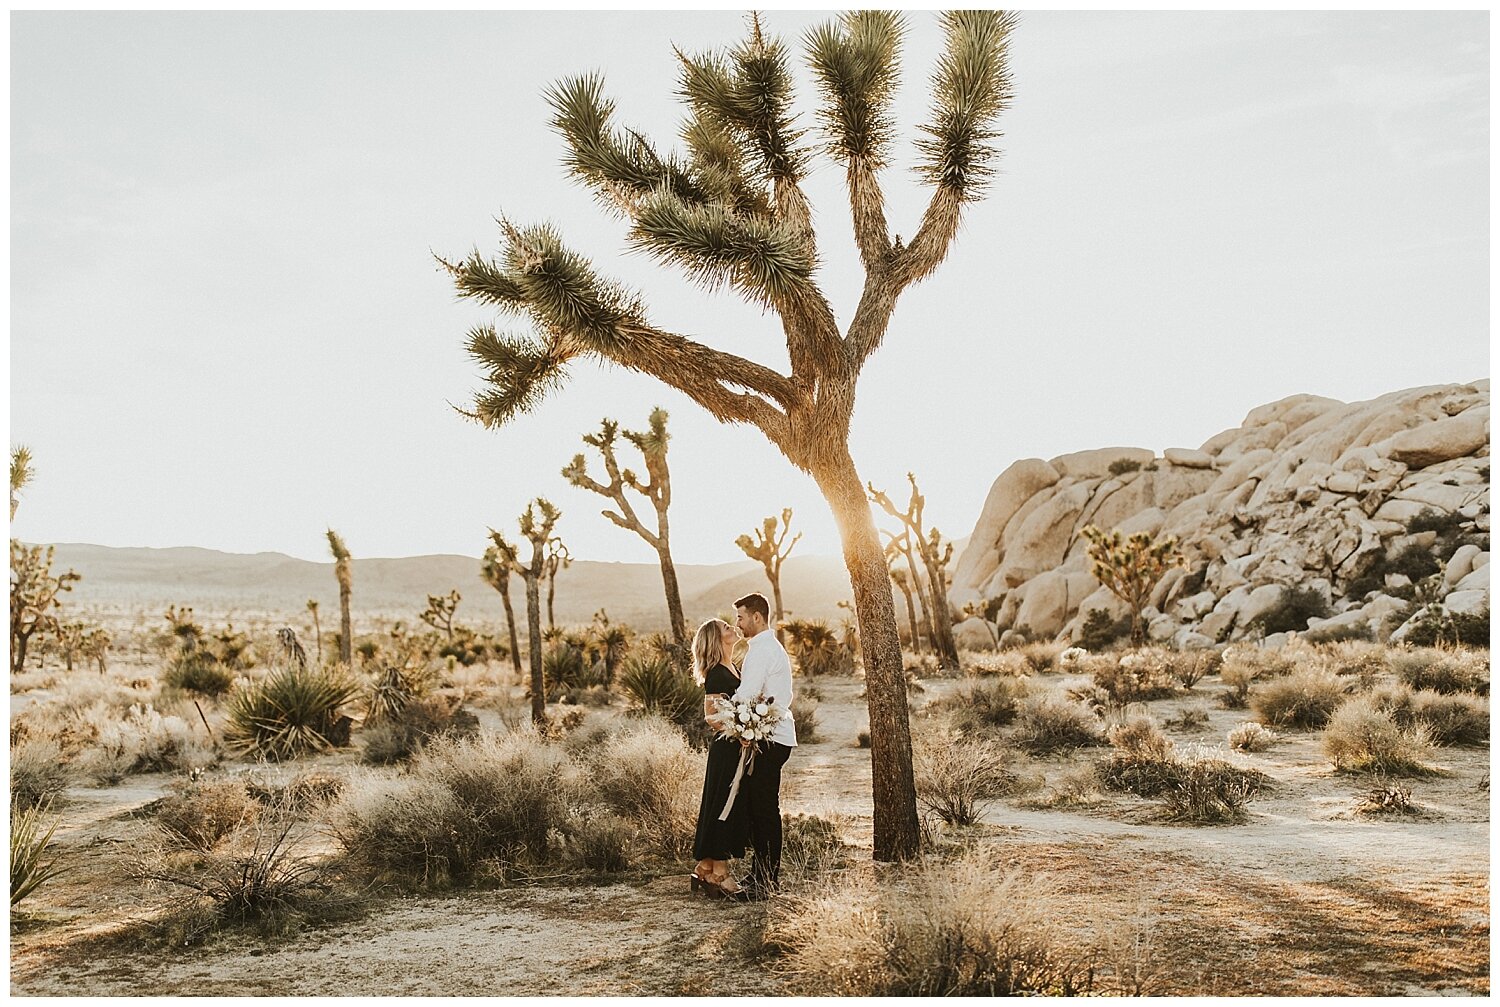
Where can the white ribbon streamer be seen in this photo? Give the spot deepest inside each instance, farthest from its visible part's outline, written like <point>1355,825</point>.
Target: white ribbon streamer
<point>745,768</point>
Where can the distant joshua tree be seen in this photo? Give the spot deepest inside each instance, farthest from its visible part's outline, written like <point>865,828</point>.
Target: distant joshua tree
<point>731,212</point>
<point>20,474</point>
<point>312,606</point>
<point>1131,567</point>
<point>767,549</point>
<point>935,555</point>
<point>539,534</point>
<point>499,560</point>
<point>904,585</point>
<point>343,569</point>
<point>558,559</point>
<point>440,610</point>
<point>652,444</point>
<point>34,590</point>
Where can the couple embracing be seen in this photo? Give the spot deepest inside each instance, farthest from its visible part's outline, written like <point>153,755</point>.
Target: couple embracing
<point>750,710</point>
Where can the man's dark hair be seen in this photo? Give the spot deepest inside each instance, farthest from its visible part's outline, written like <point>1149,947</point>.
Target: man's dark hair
<point>756,603</point>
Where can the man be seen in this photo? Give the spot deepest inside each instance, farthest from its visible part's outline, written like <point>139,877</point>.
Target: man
<point>767,671</point>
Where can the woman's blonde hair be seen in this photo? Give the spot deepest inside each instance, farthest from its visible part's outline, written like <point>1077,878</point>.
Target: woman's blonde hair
<point>708,648</point>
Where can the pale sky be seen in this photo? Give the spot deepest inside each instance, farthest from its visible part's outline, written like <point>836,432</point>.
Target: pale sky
<point>227,329</point>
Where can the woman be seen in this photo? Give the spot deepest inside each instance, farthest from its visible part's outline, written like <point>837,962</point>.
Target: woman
<point>717,841</point>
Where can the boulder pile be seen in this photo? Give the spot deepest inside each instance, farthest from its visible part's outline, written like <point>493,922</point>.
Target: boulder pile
<point>1308,493</point>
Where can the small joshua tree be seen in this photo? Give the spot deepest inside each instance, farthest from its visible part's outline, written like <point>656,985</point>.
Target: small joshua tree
<point>909,582</point>
<point>935,555</point>
<point>539,534</point>
<point>1131,567</point>
<point>312,607</point>
<point>343,569</point>
<point>771,550</point>
<point>499,560</point>
<point>652,444</point>
<point>558,559</point>
<point>613,643</point>
<point>20,475</point>
<point>440,611</point>
<point>34,590</point>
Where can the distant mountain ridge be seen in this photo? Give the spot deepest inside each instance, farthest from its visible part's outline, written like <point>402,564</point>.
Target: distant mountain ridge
<point>214,582</point>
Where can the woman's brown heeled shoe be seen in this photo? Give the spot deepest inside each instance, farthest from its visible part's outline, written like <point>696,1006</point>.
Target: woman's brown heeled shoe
<point>703,886</point>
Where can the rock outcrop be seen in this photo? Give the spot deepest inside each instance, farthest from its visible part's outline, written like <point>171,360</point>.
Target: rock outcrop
<point>1308,492</point>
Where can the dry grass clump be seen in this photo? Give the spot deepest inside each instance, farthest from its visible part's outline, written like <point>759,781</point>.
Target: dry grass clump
<point>467,805</point>
<point>1042,655</point>
<point>1459,718</point>
<point>995,662</point>
<point>1252,737</point>
<point>600,841</point>
<point>1189,718</point>
<point>38,773</point>
<point>1444,671</point>
<point>1365,662</point>
<point>302,794</point>
<point>985,705</point>
<point>401,732</point>
<point>1305,699</point>
<point>648,773</point>
<point>1143,760</point>
<point>1137,677</point>
<point>1361,737</point>
<point>958,780</point>
<point>1210,792</point>
<point>964,928</point>
<point>201,813</point>
<point>1074,787</point>
<point>144,740</point>
<point>1240,666</point>
<point>1049,722</point>
<point>805,714</point>
<point>811,844</point>
<point>1190,667</point>
<point>1388,797</point>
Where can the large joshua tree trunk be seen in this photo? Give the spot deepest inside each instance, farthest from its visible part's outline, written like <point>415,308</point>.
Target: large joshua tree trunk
<point>674,594</point>
<point>897,835</point>
<point>534,645</point>
<point>346,627</point>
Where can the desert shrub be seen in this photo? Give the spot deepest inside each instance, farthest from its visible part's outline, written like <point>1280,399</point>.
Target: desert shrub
<point>30,867</point>
<point>38,773</point>
<point>1076,786</point>
<point>292,711</point>
<point>302,794</point>
<point>1451,719</point>
<point>1291,611</point>
<point>1362,662</point>
<point>655,684</point>
<point>985,705</point>
<point>1143,760</point>
<point>600,842</point>
<point>648,773</point>
<point>271,885</point>
<point>811,843</point>
<point>999,662</point>
<point>965,928</point>
<point>144,740</point>
<point>1388,797</point>
<point>1428,519</point>
<point>1099,630</point>
<point>1189,719</point>
<point>1136,677</point>
<point>816,647</point>
<point>1210,792</point>
<point>1190,667</point>
<point>201,813</point>
<point>391,689</point>
<point>466,805</point>
<point>1414,562</point>
<point>1305,699</point>
<point>1121,466</point>
<point>197,672</point>
<point>805,715</point>
<point>1362,737</point>
<point>1041,655</point>
<point>397,738</point>
<point>1357,632</point>
<point>1468,629</point>
<point>1251,737</point>
<point>957,780</point>
<point>1443,671</point>
<point>564,667</point>
<point>1047,723</point>
<point>862,740</point>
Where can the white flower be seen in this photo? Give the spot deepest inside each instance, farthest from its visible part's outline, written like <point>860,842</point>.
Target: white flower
<point>746,733</point>
<point>760,708</point>
<point>744,716</point>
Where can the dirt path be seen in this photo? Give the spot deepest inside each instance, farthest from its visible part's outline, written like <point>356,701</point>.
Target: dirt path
<point>1306,899</point>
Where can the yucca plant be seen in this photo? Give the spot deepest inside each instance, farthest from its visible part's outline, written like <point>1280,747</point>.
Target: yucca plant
<point>730,211</point>
<point>29,864</point>
<point>290,712</point>
<point>393,689</point>
<point>657,685</point>
<point>816,646</point>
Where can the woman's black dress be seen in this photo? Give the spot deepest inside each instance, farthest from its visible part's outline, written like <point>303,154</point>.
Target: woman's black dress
<point>718,840</point>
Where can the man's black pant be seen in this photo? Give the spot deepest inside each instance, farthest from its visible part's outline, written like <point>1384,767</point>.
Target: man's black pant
<point>764,789</point>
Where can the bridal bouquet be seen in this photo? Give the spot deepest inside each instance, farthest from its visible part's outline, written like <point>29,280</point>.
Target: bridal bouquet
<point>747,721</point>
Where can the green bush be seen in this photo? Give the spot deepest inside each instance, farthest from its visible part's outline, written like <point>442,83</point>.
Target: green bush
<point>1122,466</point>
<point>656,685</point>
<point>1429,519</point>
<point>198,672</point>
<point>292,711</point>
<point>1099,631</point>
<point>1414,562</point>
<point>1468,629</point>
<point>29,866</point>
<point>1291,611</point>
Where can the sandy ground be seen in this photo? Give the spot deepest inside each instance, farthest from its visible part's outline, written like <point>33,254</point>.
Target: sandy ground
<point>1307,898</point>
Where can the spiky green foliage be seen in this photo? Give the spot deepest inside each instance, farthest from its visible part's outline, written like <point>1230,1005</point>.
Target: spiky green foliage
<point>292,711</point>
<point>29,865</point>
<point>855,61</point>
<point>658,685</point>
<point>21,473</point>
<point>971,87</point>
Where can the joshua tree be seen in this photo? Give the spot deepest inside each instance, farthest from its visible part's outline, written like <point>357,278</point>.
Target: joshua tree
<point>652,444</point>
<point>766,548</point>
<point>1131,567</point>
<point>903,584</point>
<point>732,212</point>
<point>613,642</point>
<point>539,534</point>
<point>935,555</point>
<point>312,606</point>
<point>558,559</point>
<point>499,560</point>
<point>343,569</point>
<point>440,611</point>
<point>34,591</point>
<point>20,475</point>
<point>901,545</point>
